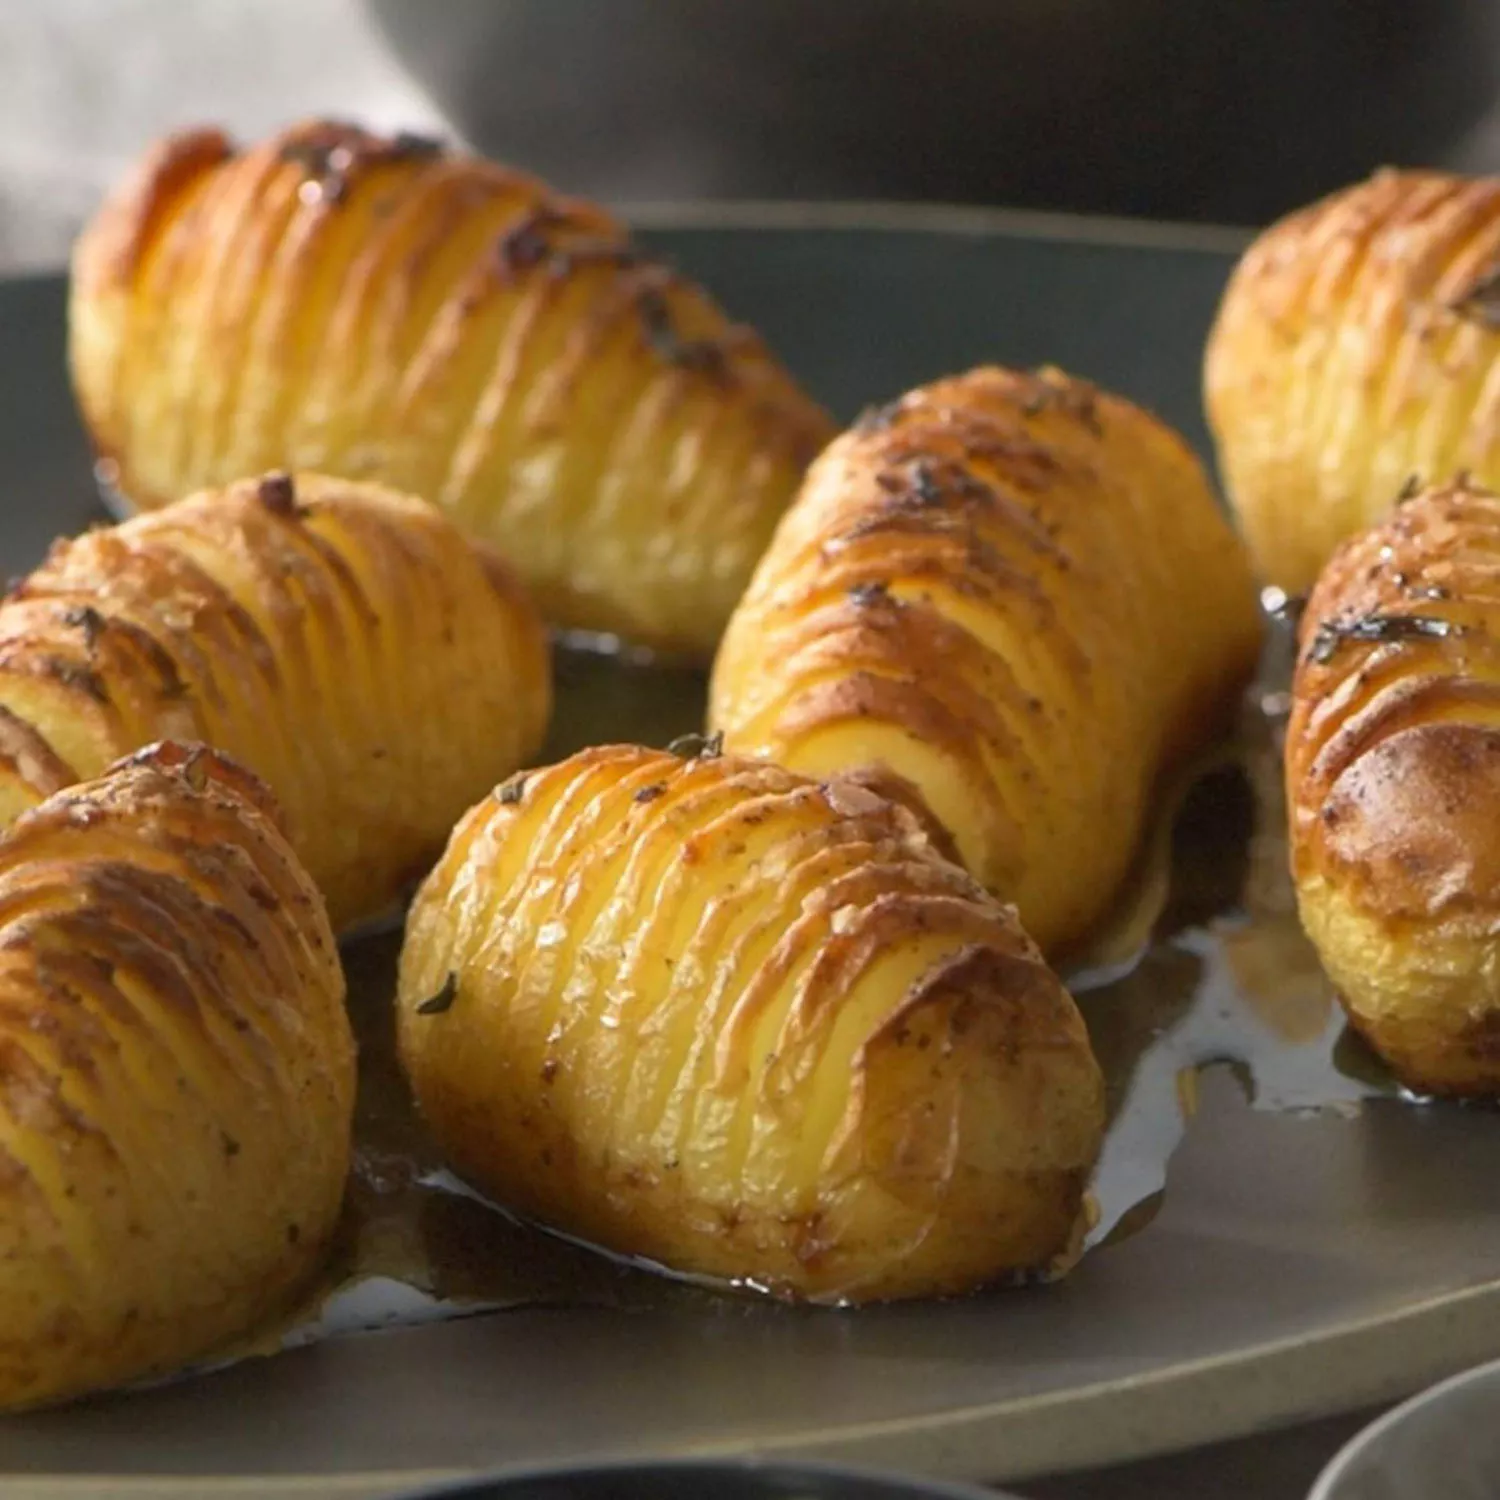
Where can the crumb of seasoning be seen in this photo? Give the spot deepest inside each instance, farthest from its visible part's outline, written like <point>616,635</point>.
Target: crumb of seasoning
<point>278,494</point>
<point>698,746</point>
<point>512,792</point>
<point>870,593</point>
<point>529,242</point>
<point>1377,627</point>
<point>86,618</point>
<point>705,356</point>
<point>76,676</point>
<point>1481,302</point>
<point>231,1146</point>
<point>1410,490</point>
<point>526,244</point>
<point>443,1000</point>
<point>650,793</point>
<point>925,485</point>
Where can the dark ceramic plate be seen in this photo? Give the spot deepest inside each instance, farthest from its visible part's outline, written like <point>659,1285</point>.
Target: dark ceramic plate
<point>1301,1261</point>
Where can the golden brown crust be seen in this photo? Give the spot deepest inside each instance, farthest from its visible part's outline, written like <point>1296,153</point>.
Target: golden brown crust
<point>1357,346</point>
<point>380,308</point>
<point>749,1025</point>
<point>176,1074</point>
<point>130,222</point>
<point>1015,592</point>
<point>1393,781</point>
<point>343,640</point>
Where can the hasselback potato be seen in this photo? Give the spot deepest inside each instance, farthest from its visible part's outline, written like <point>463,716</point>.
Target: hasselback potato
<point>1393,786</point>
<point>745,1024</point>
<point>1358,344</point>
<point>344,641</point>
<point>1010,598</point>
<point>384,309</point>
<point>176,1074</point>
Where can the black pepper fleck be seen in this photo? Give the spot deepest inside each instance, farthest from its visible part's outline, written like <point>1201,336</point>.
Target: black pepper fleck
<point>278,494</point>
<point>86,618</point>
<point>444,998</point>
<point>705,356</point>
<point>1481,302</point>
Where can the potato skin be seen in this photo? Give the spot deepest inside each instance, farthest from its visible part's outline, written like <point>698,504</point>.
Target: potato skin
<point>1356,346</point>
<point>176,1074</point>
<point>1010,597</point>
<point>343,641</point>
<point>1393,786</point>
<point>746,1025</point>
<point>382,309</point>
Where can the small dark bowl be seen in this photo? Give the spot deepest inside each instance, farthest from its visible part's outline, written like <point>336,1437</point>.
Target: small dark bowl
<point>1204,109</point>
<point>747,1479</point>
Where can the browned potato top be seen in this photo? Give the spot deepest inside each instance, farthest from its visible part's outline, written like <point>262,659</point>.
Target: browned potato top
<point>1393,780</point>
<point>746,1024</point>
<point>343,640</point>
<point>1358,344</point>
<point>382,308</point>
<point>1010,598</point>
<point>176,1074</point>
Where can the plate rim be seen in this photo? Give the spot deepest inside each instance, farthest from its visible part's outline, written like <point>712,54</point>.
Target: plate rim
<point>879,216</point>
<point>1361,1363</point>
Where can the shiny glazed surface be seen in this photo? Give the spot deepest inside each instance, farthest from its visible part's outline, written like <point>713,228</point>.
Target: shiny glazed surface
<point>729,1019</point>
<point>1010,599</point>
<point>1357,346</point>
<point>1393,781</point>
<point>344,641</point>
<point>382,309</point>
<point>176,1074</point>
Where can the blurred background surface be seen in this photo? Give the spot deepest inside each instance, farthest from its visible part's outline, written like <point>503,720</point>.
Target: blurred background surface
<point>1221,110</point>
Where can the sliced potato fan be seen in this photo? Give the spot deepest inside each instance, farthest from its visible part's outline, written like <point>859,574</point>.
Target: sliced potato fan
<point>1357,347</point>
<point>382,309</point>
<point>1010,600</point>
<point>748,1025</point>
<point>344,641</point>
<point>176,1075</point>
<point>1393,786</point>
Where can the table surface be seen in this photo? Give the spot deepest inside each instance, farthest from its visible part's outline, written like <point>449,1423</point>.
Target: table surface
<point>89,81</point>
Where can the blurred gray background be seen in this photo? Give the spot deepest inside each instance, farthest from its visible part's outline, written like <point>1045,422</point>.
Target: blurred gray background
<point>1228,110</point>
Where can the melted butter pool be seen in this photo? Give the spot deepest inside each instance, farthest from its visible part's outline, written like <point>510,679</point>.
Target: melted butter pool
<point>1204,965</point>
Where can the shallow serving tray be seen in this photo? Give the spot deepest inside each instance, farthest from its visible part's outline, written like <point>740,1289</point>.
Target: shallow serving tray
<point>1300,1262</point>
